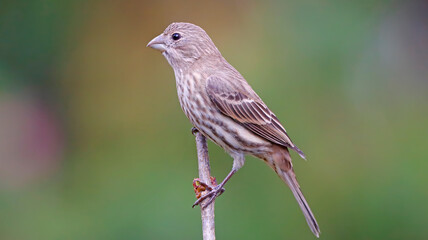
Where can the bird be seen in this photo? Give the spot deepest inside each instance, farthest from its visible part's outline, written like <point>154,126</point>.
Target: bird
<point>222,106</point>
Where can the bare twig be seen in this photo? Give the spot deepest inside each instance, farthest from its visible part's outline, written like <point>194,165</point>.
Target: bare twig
<point>207,213</point>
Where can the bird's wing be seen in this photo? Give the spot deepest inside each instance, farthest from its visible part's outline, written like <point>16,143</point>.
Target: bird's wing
<point>250,112</point>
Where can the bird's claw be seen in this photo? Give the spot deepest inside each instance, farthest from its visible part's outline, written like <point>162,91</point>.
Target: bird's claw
<point>212,192</point>
<point>194,130</point>
<point>211,196</point>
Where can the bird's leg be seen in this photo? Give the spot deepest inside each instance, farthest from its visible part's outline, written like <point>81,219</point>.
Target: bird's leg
<point>215,191</point>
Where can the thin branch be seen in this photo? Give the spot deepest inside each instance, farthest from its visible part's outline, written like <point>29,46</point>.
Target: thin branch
<point>207,213</point>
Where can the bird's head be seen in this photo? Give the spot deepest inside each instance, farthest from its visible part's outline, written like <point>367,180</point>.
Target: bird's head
<point>183,43</point>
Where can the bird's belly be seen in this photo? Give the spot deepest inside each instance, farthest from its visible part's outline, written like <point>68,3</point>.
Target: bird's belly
<point>233,138</point>
<point>221,129</point>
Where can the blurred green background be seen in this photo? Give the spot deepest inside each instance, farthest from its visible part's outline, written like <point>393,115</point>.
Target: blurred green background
<point>94,145</point>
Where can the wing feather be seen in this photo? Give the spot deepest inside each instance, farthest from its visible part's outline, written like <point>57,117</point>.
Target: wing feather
<point>250,112</point>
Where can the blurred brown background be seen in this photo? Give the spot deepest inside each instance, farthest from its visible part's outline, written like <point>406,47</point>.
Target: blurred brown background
<point>93,143</point>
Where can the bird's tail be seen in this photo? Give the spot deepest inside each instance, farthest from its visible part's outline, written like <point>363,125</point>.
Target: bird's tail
<point>285,171</point>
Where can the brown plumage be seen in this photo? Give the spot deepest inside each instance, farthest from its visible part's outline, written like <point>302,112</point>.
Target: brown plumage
<point>223,106</point>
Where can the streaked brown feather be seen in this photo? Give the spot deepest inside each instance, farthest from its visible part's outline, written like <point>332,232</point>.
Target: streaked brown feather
<point>250,112</point>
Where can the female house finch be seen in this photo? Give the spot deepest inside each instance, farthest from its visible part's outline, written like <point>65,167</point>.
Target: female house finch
<point>223,107</point>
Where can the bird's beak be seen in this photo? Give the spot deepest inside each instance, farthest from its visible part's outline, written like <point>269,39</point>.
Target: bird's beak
<point>158,43</point>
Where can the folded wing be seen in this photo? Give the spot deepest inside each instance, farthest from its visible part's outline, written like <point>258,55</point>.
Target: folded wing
<point>250,112</point>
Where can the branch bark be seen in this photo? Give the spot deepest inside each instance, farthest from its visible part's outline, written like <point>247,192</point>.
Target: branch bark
<point>207,213</point>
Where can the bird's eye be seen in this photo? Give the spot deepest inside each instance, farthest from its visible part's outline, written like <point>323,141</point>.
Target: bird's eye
<point>176,36</point>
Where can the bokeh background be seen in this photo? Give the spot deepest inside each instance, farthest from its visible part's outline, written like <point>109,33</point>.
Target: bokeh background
<point>93,143</point>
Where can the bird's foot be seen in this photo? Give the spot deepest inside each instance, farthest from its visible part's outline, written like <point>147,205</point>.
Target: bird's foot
<point>194,130</point>
<point>212,192</point>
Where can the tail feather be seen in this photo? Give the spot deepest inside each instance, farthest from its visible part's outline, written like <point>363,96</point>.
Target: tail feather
<point>284,168</point>
<point>290,178</point>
